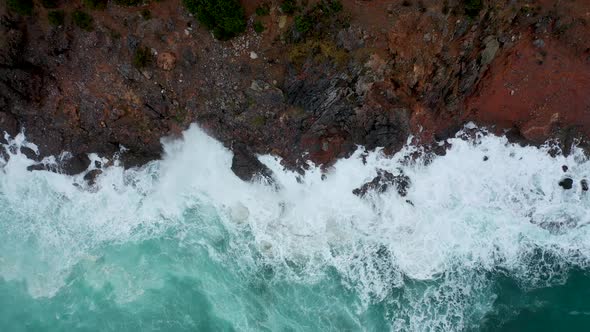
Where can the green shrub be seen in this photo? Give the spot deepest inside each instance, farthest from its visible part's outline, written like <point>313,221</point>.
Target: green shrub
<point>473,7</point>
<point>143,57</point>
<point>82,20</point>
<point>224,17</point>
<point>258,27</point>
<point>22,7</point>
<point>263,9</point>
<point>289,6</point>
<point>49,3</point>
<point>56,17</point>
<point>322,12</point>
<point>304,23</point>
<point>95,4</point>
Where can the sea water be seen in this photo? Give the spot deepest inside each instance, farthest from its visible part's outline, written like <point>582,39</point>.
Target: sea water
<point>485,240</point>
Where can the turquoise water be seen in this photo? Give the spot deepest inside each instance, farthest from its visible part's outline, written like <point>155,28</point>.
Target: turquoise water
<point>182,245</point>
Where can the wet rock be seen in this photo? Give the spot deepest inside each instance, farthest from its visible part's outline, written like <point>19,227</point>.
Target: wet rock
<point>485,158</point>
<point>514,136</point>
<point>8,124</point>
<point>75,165</point>
<point>37,167</point>
<point>584,184</point>
<point>29,153</point>
<point>383,182</point>
<point>564,168</point>
<point>247,167</point>
<point>91,176</point>
<point>566,183</point>
<point>140,156</point>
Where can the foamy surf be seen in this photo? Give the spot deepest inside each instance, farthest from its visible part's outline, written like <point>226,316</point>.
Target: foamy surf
<point>308,256</point>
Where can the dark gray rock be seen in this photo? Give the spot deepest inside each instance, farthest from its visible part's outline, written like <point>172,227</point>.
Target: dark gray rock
<point>132,42</point>
<point>75,165</point>
<point>247,167</point>
<point>584,184</point>
<point>29,153</point>
<point>91,176</point>
<point>383,182</point>
<point>566,183</point>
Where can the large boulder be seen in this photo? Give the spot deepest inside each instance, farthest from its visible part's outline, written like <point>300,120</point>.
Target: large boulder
<point>247,167</point>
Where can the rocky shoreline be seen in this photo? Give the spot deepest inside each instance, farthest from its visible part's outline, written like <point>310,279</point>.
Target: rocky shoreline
<point>312,85</point>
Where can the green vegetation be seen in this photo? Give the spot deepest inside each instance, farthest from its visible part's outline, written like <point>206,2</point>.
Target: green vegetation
<point>289,7</point>
<point>318,50</point>
<point>473,7</point>
<point>322,12</point>
<point>258,27</point>
<point>82,20</point>
<point>95,4</point>
<point>49,3</point>
<point>258,121</point>
<point>304,23</point>
<point>22,7</point>
<point>146,14</point>
<point>56,17</point>
<point>224,17</point>
<point>263,9</point>
<point>143,57</point>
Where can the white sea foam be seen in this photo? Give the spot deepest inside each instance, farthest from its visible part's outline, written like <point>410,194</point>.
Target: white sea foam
<point>467,216</point>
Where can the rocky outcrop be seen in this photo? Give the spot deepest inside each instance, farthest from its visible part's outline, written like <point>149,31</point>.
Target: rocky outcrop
<point>383,182</point>
<point>247,166</point>
<point>371,74</point>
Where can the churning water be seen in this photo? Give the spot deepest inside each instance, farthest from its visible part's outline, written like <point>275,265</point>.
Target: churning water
<point>489,242</point>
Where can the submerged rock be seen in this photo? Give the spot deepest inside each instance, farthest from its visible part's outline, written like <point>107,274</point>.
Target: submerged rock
<point>584,184</point>
<point>566,183</point>
<point>91,176</point>
<point>383,181</point>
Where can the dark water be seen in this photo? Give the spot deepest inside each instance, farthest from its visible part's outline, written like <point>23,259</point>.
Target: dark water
<point>559,308</point>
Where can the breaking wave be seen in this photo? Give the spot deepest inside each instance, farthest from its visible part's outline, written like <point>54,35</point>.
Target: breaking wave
<point>182,243</point>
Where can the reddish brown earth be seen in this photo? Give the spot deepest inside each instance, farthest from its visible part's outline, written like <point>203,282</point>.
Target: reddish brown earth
<point>370,75</point>
<point>536,89</point>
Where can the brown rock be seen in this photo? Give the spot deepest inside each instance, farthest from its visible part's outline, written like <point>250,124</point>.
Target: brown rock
<point>166,61</point>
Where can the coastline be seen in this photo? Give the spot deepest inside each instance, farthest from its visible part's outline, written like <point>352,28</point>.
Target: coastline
<point>372,75</point>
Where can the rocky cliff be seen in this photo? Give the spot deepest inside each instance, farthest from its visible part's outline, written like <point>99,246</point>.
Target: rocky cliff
<point>309,82</point>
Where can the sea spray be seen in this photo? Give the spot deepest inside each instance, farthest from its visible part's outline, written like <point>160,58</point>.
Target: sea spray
<point>183,244</point>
